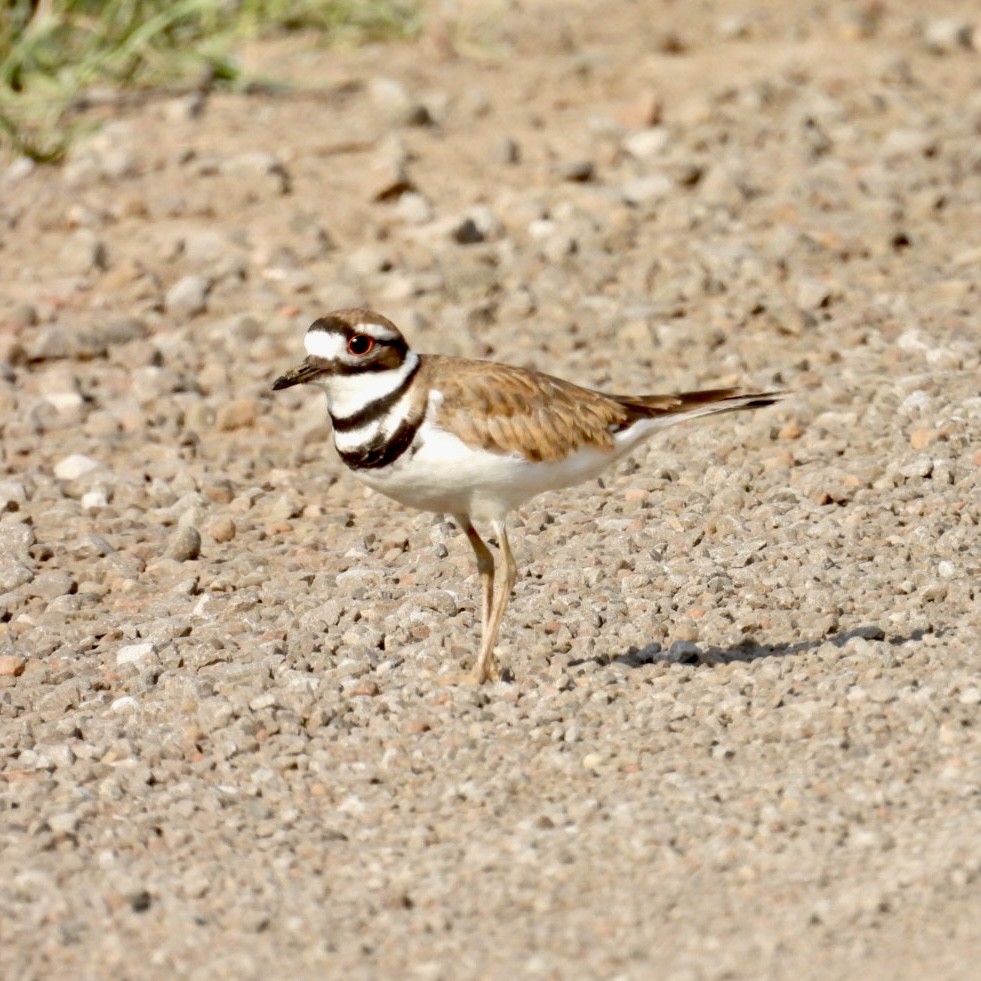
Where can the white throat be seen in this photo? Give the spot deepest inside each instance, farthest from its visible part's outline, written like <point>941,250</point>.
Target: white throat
<point>348,394</point>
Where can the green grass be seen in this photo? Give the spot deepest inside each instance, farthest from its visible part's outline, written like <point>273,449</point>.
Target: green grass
<point>53,52</point>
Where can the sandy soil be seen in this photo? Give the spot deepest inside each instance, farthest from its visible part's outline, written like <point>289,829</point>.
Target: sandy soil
<point>742,737</point>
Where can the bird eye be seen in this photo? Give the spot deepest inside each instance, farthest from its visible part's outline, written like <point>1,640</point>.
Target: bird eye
<point>360,344</point>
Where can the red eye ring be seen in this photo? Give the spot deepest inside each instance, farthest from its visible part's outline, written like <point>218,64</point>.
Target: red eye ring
<point>360,344</point>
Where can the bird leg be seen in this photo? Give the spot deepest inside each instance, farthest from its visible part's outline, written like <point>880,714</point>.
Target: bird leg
<point>495,600</point>
<point>487,668</point>
<point>485,566</point>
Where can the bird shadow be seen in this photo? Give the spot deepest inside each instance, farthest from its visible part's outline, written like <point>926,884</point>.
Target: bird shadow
<point>687,652</point>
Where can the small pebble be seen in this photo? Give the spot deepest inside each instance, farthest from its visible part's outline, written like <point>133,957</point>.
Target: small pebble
<point>64,823</point>
<point>12,665</point>
<point>221,529</point>
<point>134,654</point>
<point>944,35</point>
<point>75,466</point>
<point>188,297</point>
<point>184,545</point>
<point>467,232</point>
<point>578,171</point>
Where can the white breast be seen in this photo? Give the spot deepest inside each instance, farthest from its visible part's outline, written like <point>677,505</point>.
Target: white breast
<point>441,473</point>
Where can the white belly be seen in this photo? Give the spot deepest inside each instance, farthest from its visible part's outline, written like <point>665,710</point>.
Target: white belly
<point>444,474</point>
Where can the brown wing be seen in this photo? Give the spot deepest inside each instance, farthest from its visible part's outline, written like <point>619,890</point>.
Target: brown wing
<point>507,409</point>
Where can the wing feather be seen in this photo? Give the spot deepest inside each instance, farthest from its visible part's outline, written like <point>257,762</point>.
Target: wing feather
<point>506,409</point>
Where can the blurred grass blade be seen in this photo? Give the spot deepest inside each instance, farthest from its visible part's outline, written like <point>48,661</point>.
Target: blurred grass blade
<point>52,51</point>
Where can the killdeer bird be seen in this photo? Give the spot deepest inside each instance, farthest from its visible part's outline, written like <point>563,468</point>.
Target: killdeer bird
<point>475,439</point>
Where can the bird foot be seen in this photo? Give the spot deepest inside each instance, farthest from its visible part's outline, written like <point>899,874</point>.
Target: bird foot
<point>476,676</point>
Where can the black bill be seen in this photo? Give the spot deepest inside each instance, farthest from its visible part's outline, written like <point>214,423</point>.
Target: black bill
<point>299,375</point>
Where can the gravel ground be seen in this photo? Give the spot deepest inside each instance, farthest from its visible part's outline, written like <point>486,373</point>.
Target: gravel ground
<point>742,738</point>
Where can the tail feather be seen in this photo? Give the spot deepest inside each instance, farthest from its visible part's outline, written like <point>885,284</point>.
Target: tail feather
<point>690,405</point>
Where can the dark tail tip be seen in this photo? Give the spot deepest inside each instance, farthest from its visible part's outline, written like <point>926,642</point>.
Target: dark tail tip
<point>762,401</point>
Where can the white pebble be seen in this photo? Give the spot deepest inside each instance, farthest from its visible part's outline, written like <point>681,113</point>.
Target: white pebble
<point>134,654</point>
<point>65,823</point>
<point>915,401</point>
<point>64,401</point>
<point>75,466</point>
<point>93,500</point>
<point>125,704</point>
<point>946,34</point>
<point>188,296</point>
<point>647,142</point>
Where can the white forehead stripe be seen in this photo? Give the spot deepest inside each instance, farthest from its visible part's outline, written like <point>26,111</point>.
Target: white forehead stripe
<point>380,332</point>
<point>325,344</point>
<point>331,344</point>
